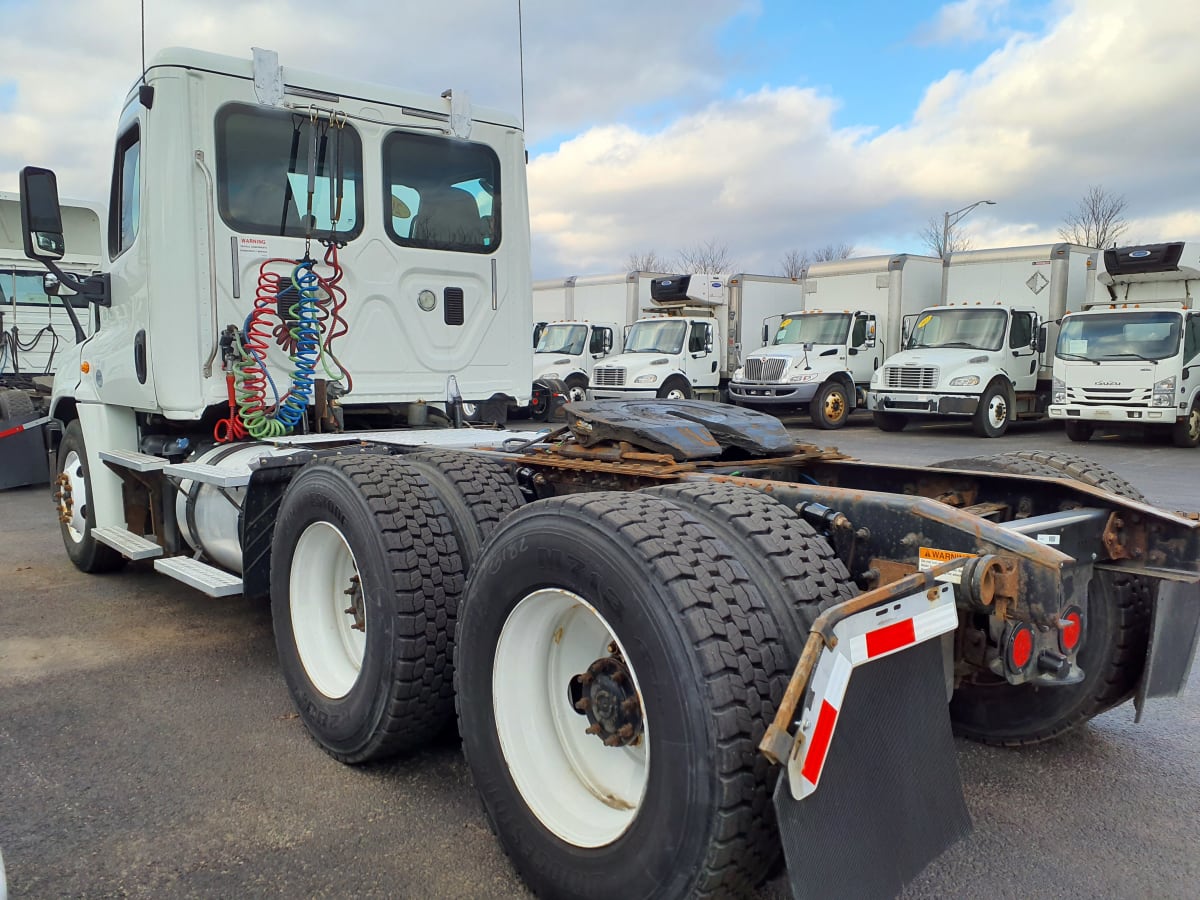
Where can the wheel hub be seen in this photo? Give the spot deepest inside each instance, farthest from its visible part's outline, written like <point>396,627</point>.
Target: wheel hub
<point>605,693</point>
<point>63,498</point>
<point>355,609</point>
<point>834,407</point>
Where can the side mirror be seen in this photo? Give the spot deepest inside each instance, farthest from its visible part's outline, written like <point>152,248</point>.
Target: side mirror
<point>870,342</point>
<point>766,333</point>
<point>50,284</point>
<point>1040,338</point>
<point>708,341</point>
<point>607,341</point>
<point>41,216</point>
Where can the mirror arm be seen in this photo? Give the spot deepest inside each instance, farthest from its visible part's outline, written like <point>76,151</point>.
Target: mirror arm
<point>94,289</point>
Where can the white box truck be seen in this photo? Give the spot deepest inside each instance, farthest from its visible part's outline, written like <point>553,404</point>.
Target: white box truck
<point>981,353</point>
<point>822,357</point>
<point>698,329</point>
<point>1132,356</point>
<point>580,320</point>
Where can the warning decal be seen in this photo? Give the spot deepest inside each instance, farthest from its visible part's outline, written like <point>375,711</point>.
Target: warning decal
<point>931,557</point>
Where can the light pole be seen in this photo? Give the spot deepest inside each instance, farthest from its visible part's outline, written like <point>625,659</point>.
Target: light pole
<point>953,218</point>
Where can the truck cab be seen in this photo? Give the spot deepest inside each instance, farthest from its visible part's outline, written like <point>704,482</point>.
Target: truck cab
<point>968,361</point>
<point>568,352</point>
<point>1132,357</point>
<point>820,361</point>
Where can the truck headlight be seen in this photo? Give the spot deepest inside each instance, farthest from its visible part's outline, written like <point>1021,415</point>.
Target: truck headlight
<point>964,381</point>
<point>738,373</point>
<point>1058,391</point>
<point>552,374</point>
<point>1162,400</point>
<point>645,379</point>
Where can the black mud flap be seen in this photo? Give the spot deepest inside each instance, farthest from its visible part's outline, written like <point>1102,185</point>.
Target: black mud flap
<point>1174,634</point>
<point>685,429</point>
<point>890,796</point>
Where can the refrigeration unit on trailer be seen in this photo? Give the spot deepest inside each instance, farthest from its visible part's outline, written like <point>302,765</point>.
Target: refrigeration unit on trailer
<point>655,623</point>
<point>981,354</point>
<point>822,357</point>
<point>694,335</point>
<point>1131,357</point>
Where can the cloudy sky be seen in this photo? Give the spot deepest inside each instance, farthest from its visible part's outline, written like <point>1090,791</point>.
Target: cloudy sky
<point>760,125</point>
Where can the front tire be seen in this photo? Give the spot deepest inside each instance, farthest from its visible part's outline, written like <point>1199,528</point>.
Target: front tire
<point>72,493</point>
<point>675,388</point>
<point>577,387</point>
<point>830,408</point>
<point>676,805</point>
<point>994,413</point>
<point>366,577</point>
<point>1080,432</point>
<point>1186,432</point>
<point>886,421</point>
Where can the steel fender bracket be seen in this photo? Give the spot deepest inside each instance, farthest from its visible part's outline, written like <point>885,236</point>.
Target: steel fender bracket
<point>890,798</point>
<point>1174,634</point>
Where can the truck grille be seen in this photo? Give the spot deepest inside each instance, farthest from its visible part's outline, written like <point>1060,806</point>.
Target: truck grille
<point>608,377</point>
<point>768,368</point>
<point>910,378</point>
<point>1117,396</point>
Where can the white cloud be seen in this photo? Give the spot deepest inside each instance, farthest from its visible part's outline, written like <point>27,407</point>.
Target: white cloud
<point>963,22</point>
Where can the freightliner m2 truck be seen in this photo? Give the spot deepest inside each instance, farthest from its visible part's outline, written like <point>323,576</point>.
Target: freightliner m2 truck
<point>823,356</point>
<point>981,355</point>
<point>678,643</point>
<point>1131,357</point>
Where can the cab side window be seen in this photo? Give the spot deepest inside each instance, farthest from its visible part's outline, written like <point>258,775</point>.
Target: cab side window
<point>1191,341</point>
<point>858,334</point>
<point>600,337</point>
<point>698,339</point>
<point>1021,335</point>
<point>124,211</point>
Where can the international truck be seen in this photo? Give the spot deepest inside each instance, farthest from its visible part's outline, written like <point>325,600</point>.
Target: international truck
<point>822,357</point>
<point>981,354</point>
<point>1131,357</point>
<point>582,319</point>
<point>678,643</point>
<point>33,326</point>
<point>693,336</point>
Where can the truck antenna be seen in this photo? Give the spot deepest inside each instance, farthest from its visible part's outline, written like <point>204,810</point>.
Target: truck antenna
<point>520,56</point>
<point>145,92</point>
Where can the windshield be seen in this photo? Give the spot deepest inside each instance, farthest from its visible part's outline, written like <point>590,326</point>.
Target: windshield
<point>656,336</point>
<point>816,328</point>
<point>1153,335</point>
<point>562,339</point>
<point>976,329</point>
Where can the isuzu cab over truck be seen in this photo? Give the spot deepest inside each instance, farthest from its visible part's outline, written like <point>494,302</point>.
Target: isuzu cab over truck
<point>822,357</point>
<point>679,644</point>
<point>1132,357</point>
<point>699,328</point>
<point>981,355</point>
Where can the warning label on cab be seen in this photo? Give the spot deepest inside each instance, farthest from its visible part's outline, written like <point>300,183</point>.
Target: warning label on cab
<point>931,557</point>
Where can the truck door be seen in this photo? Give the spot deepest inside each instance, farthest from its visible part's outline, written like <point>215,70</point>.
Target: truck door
<point>700,361</point>
<point>600,345</point>
<point>863,356</point>
<point>1023,363</point>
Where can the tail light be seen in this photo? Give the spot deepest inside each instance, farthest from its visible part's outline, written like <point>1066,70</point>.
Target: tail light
<point>1070,629</point>
<point>1018,645</point>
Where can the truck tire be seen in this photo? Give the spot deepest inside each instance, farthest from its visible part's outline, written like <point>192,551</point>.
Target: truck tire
<point>1186,432</point>
<point>476,493</point>
<point>675,388</point>
<point>577,387</point>
<point>886,421</point>
<point>366,577</point>
<point>14,404</point>
<point>994,413</point>
<point>830,408</point>
<point>796,569</point>
<point>1080,432</point>
<point>636,592</point>
<point>73,487</point>
<point>1117,630</point>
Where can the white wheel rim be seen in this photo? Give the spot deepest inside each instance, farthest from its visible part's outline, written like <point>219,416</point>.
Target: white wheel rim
<point>575,394</point>
<point>584,792</point>
<point>997,411</point>
<point>77,487</point>
<point>330,649</point>
<point>675,394</point>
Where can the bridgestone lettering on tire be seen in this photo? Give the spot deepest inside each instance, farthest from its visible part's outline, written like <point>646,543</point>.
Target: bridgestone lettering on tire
<point>1116,630</point>
<point>693,818</point>
<point>399,542</point>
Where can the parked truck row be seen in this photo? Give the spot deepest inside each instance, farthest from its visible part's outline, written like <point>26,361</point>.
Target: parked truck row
<point>677,644</point>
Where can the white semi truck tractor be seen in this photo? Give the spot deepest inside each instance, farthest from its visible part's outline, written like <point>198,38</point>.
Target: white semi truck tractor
<point>822,357</point>
<point>1131,356</point>
<point>981,354</point>
<point>676,642</point>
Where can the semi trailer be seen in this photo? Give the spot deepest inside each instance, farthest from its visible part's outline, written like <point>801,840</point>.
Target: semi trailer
<point>678,644</point>
<point>1130,357</point>
<point>822,357</point>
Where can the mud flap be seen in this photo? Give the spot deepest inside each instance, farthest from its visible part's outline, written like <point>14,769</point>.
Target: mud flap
<point>890,796</point>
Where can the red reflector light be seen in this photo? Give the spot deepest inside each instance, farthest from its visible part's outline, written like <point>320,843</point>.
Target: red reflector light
<point>1070,630</point>
<point>1018,647</point>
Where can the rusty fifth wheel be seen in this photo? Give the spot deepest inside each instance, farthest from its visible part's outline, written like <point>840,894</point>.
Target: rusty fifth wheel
<point>616,665</point>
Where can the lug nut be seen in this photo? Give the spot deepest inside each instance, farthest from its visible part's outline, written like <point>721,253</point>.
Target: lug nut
<point>594,728</point>
<point>583,703</point>
<point>612,741</point>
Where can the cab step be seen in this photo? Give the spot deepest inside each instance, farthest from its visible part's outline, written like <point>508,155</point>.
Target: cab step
<point>214,475</point>
<point>134,461</point>
<point>203,577</point>
<point>125,542</point>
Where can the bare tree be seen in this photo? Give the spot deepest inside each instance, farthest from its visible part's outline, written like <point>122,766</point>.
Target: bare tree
<point>932,236</point>
<point>794,263</point>
<point>708,257</point>
<point>646,261</point>
<point>1097,221</point>
<point>832,251</point>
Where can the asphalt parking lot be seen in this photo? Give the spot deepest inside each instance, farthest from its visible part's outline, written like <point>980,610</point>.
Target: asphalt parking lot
<point>148,747</point>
